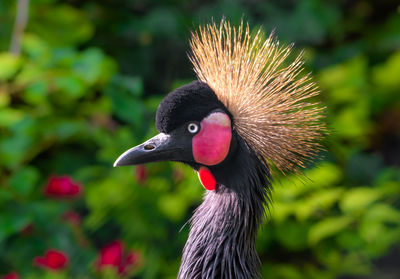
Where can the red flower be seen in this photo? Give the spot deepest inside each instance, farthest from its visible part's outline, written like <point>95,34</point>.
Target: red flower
<point>54,260</point>
<point>141,173</point>
<point>112,255</point>
<point>11,275</point>
<point>62,187</point>
<point>72,217</point>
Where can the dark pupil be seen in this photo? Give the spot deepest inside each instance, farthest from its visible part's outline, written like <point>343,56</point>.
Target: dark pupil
<point>192,127</point>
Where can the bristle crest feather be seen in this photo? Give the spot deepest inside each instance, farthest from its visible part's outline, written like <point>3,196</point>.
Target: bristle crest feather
<point>269,101</point>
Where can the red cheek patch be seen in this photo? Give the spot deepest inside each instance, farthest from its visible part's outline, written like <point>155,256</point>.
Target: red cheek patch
<point>211,145</point>
<point>207,178</point>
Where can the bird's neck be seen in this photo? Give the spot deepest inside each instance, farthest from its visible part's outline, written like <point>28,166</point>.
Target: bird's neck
<point>221,241</point>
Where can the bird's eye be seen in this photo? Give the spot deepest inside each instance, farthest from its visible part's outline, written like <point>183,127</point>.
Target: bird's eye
<point>193,128</point>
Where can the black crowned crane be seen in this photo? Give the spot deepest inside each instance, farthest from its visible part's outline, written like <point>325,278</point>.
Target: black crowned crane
<point>247,111</point>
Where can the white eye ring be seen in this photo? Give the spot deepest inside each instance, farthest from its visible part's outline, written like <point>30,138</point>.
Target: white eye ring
<point>193,128</point>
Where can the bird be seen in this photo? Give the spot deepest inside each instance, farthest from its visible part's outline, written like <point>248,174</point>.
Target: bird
<point>250,115</point>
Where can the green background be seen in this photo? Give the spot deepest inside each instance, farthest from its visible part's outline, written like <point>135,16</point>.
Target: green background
<point>86,87</point>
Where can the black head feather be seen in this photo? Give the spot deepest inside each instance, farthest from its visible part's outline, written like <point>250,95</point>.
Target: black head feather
<point>191,102</point>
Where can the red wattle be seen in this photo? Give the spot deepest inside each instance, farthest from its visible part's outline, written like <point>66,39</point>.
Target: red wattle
<point>207,178</point>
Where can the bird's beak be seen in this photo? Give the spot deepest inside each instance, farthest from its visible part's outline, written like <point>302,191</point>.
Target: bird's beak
<point>162,147</point>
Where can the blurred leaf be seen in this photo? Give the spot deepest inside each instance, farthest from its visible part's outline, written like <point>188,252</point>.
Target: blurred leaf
<point>4,98</point>
<point>13,149</point>
<point>378,236</point>
<point>131,85</point>
<point>9,65</point>
<point>351,74</point>
<point>390,189</point>
<point>124,104</point>
<point>323,175</point>
<point>286,271</point>
<point>319,200</point>
<point>280,211</point>
<point>387,37</point>
<point>382,212</point>
<point>5,195</point>
<point>71,86</point>
<point>35,48</point>
<point>292,235</point>
<point>387,74</point>
<point>55,275</point>
<point>352,122</point>
<point>36,93</point>
<point>388,174</point>
<point>173,207</point>
<point>9,117</point>
<point>24,180</point>
<point>11,223</point>
<point>88,66</point>
<point>328,227</point>
<point>61,24</point>
<point>350,240</point>
<point>31,74</point>
<point>358,199</point>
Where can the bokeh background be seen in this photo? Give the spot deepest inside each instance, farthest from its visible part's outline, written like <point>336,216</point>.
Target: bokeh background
<point>80,83</point>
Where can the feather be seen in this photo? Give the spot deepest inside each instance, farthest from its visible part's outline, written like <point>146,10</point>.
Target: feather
<point>268,96</point>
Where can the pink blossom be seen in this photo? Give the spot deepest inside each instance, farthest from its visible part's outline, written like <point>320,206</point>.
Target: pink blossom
<point>53,260</point>
<point>112,255</point>
<point>62,187</point>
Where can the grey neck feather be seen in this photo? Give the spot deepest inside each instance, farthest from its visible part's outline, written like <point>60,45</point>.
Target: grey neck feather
<point>221,241</point>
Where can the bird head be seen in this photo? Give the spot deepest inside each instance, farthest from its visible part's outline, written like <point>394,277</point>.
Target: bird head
<point>195,128</point>
<point>247,92</point>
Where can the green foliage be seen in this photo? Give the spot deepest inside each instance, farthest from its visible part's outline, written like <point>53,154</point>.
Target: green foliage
<point>86,86</point>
